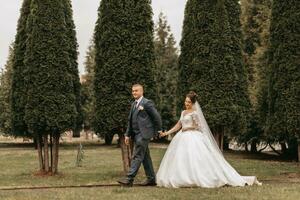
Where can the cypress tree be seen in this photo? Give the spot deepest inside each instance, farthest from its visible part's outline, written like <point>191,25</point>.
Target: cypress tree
<point>166,72</point>
<point>207,63</point>
<point>19,90</point>
<point>255,20</point>
<point>51,105</point>
<point>87,89</point>
<point>73,55</point>
<point>283,120</point>
<point>5,88</point>
<point>124,56</point>
<point>242,96</point>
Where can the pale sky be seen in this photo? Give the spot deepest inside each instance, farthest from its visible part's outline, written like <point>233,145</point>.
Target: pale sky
<point>85,16</point>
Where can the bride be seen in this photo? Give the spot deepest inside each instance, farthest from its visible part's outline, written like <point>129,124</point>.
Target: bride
<point>193,158</point>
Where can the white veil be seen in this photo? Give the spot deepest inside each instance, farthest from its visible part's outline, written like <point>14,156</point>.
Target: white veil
<point>250,180</point>
<point>205,128</point>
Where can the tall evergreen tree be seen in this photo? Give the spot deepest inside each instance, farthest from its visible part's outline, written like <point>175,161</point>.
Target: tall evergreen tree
<point>283,120</point>
<point>255,20</point>
<point>51,105</point>
<point>5,88</point>
<point>90,64</point>
<point>87,89</point>
<point>19,90</point>
<point>124,56</point>
<point>73,55</point>
<point>166,72</point>
<point>207,63</point>
<point>242,96</point>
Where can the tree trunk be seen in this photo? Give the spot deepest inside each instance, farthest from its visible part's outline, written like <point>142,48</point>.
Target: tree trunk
<point>226,143</point>
<point>279,153</point>
<point>51,151</point>
<point>246,147</point>
<point>126,153</point>
<point>86,134</point>
<point>298,150</point>
<point>293,146</point>
<point>46,153</point>
<point>283,147</point>
<point>76,133</point>
<point>108,139</point>
<point>219,135</point>
<point>35,143</point>
<point>253,146</point>
<point>56,148</point>
<point>40,153</point>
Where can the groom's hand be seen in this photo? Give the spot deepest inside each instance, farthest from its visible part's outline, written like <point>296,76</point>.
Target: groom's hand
<point>162,134</point>
<point>127,140</point>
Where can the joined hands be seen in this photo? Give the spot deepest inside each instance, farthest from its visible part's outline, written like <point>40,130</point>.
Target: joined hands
<point>162,134</point>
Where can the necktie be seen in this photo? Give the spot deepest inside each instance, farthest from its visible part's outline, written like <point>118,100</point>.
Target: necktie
<point>135,105</point>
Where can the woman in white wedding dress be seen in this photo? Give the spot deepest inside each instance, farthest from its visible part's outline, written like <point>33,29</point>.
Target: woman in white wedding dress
<point>193,158</point>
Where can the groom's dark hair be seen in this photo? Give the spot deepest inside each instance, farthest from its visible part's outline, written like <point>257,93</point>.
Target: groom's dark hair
<point>138,85</point>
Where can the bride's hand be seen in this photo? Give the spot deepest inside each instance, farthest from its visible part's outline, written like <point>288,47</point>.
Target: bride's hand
<point>162,134</point>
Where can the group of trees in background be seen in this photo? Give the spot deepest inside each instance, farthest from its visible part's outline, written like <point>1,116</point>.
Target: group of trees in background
<point>240,57</point>
<point>271,51</point>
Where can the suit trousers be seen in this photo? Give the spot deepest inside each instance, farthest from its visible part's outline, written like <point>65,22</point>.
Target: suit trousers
<point>141,154</point>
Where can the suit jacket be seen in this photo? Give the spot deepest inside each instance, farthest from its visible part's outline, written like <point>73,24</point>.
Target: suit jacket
<point>148,119</point>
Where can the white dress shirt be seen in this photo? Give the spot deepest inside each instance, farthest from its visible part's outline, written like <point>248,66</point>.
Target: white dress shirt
<point>138,101</point>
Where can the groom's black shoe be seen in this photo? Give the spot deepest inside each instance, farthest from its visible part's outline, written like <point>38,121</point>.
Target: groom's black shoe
<point>149,183</point>
<point>125,182</point>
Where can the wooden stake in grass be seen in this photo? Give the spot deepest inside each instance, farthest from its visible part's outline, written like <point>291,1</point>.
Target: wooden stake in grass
<point>80,154</point>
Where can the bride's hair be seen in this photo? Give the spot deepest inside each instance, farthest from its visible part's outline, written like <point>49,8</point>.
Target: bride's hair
<point>192,96</point>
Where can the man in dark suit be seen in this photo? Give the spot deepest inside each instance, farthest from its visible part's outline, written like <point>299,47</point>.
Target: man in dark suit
<point>143,123</point>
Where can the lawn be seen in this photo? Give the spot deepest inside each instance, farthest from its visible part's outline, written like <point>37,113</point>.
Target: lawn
<point>102,165</point>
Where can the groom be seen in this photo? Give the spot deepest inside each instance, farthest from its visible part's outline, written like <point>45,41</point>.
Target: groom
<point>143,123</point>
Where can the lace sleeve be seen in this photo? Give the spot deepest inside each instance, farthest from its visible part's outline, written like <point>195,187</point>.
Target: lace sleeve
<point>196,120</point>
<point>181,116</point>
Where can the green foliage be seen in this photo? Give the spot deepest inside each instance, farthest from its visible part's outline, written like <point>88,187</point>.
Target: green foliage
<point>124,56</point>
<point>241,88</point>
<point>255,20</point>
<point>19,87</point>
<point>73,55</point>
<point>5,88</point>
<point>207,62</point>
<point>51,103</point>
<point>166,72</point>
<point>283,120</point>
<point>87,89</point>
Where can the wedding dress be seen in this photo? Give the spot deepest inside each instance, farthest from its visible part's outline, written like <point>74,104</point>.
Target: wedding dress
<point>193,158</point>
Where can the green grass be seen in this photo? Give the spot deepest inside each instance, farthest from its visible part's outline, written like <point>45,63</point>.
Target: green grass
<point>103,165</point>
